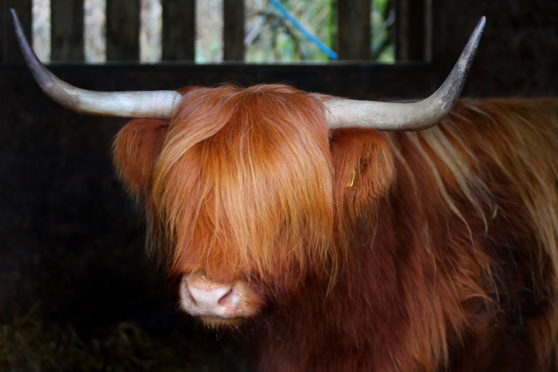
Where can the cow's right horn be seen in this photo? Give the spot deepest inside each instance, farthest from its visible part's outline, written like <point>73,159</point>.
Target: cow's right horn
<point>141,104</point>
<point>343,112</point>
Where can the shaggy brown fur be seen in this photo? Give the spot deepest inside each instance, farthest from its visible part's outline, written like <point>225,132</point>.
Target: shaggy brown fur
<point>378,251</point>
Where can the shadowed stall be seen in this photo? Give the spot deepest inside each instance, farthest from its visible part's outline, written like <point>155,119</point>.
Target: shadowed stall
<point>77,291</point>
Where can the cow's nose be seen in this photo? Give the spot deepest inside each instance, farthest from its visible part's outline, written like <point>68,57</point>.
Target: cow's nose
<point>203,297</point>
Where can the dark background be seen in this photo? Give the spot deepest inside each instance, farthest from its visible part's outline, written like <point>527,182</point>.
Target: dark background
<point>72,242</point>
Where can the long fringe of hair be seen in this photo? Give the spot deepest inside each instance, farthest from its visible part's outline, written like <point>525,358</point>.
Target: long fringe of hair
<point>242,186</point>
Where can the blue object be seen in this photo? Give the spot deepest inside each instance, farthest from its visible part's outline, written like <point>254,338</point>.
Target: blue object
<point>324,48</point>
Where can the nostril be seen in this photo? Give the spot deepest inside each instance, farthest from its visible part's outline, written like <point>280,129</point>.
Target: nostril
<point>201,297</point>
<point>186,292</point>
<point>227,298</point>
<point>204,295</point>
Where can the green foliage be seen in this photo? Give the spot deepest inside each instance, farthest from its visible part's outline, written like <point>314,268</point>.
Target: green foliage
<point>271,38</point>
<point>382,18</point>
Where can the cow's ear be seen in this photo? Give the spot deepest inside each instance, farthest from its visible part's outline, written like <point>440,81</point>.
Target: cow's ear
<point>135,152</point>
<point>364,170</point>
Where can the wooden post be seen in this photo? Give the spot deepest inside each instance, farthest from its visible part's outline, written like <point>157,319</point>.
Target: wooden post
<point>179,29</point>
<point>9,50</point>
<point>233,30</point>
<point>410,32</point>
<point>66,40</point>
<point>353,29</point>
<point>123,28</point>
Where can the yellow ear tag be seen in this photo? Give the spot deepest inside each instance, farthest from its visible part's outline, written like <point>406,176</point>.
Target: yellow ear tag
<point>495,211</point>
<point>352,183</point>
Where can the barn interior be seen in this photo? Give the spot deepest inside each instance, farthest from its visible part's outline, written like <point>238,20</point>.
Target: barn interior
<point>77,291</point>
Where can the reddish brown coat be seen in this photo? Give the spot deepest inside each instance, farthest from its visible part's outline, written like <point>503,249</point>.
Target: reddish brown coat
<point>426,250</point>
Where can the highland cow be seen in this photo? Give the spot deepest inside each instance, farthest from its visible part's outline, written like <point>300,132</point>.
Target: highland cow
<point>357,235</point>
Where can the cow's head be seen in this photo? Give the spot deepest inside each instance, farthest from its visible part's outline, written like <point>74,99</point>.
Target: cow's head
<point>239,184</point>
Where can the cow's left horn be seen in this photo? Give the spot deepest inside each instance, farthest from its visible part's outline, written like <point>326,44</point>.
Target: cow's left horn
<point>406,116</point>
<point>140,104</point>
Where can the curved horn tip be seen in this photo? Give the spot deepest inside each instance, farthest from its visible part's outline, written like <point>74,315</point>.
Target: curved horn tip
<point>408,116</point>
<point>482,21</point>
<point>14,13</point>
<point>16,22</point>
<point>144,104</point>
<point>474,39</point>
<point>479,28</point>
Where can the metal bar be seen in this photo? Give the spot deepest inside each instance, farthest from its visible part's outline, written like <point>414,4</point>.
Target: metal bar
<point>411,30</point>
<point>233,30</point>
<point>66,19</point>
<point>123,28</point>
<point>354,29</point>
<point>179,30</point>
